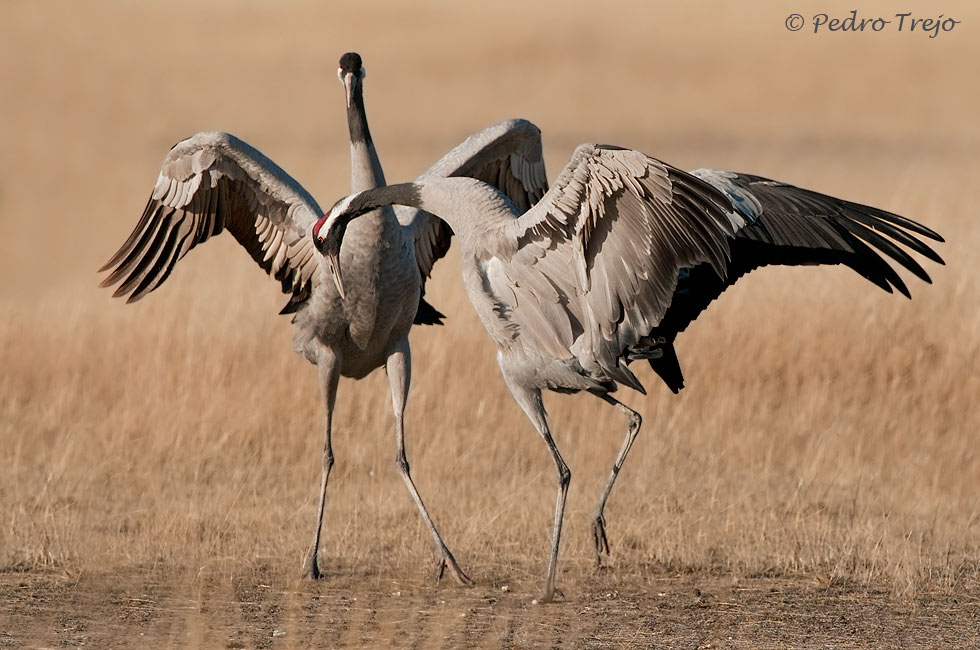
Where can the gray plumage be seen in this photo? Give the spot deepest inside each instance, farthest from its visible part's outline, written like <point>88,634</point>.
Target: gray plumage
<point>214,181</point>
<point>616,259</point>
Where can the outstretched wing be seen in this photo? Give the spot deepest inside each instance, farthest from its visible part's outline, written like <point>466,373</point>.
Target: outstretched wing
<point>598,257</point>
<point>787,225</point>
<point>207,183</point>
<point>506,155</point>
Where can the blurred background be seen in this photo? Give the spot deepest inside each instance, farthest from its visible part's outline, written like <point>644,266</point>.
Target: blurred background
<point>95,96</point>
<point>828,428</point>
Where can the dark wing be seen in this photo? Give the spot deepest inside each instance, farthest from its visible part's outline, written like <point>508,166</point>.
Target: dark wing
<point>786,225</point>
<point>210,182</point>
<point>506,155</point>
<point>597,259</point>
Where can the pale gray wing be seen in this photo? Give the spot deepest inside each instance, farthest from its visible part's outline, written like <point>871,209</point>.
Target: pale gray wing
<point>788,225</point>
<point>506,155</point>
<point>210,182</point>
<point>610,238</point>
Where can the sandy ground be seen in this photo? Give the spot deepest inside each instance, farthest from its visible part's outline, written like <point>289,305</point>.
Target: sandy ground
<point>257,610</point>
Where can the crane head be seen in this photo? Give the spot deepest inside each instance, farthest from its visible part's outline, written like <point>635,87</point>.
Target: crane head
<point>328,235</point>
<point>351,72</point>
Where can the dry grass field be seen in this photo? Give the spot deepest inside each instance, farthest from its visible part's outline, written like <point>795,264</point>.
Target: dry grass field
<point>816,484</point>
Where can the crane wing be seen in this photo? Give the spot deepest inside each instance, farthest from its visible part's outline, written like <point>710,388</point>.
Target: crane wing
<point>599,255</point>
<point>787,225</point>
<point>506,155</point>
<point>210,182</point>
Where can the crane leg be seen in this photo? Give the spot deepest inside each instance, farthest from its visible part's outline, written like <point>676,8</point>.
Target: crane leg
<point>328,371</point>
<point>530,402</point>
<point>598,521</point>
<point>399,369</point>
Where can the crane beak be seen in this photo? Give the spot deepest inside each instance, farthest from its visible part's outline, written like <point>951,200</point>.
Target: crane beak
<point>349,86</point>
<point>329,246</point>
<point>333,258</point>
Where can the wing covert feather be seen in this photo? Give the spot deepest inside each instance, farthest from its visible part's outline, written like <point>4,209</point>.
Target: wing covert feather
<point>506,155</point>
<point>610,238</point>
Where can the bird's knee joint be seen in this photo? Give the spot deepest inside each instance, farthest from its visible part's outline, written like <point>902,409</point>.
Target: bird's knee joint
<point>564,475</point>
<point>402,464</point>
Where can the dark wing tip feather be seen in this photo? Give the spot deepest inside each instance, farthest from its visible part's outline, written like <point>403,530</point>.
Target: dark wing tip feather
<point>885,246</point>
<point>908,224</point>
<point>145,255</point>
<point>870,218</point>
<point>872,232</point>
<point>134,236</point>
<point>107,281</point>
<point>800,227</point>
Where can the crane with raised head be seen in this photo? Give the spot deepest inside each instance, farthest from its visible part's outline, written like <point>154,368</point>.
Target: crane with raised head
<point>213,181</point>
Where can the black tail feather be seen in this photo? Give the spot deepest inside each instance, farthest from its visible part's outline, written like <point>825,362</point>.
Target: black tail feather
<point>669,368</point>
<point>427,314</point>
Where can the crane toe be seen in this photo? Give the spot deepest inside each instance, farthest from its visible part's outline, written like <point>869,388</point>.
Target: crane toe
<point>448,563</point>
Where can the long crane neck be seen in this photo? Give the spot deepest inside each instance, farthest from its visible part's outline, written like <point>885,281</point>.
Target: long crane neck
<point>365,168</point>
<point>474,210</point>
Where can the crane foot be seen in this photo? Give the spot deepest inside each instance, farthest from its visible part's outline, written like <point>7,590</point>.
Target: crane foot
<point>548,596</point>
<point>311,571</point>
<point>447,562</point>
<point>311,568</point>
<point>599,537</point>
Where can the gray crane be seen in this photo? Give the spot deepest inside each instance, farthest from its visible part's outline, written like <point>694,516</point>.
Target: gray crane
<point>621,254</point>
<point>214,181</point>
